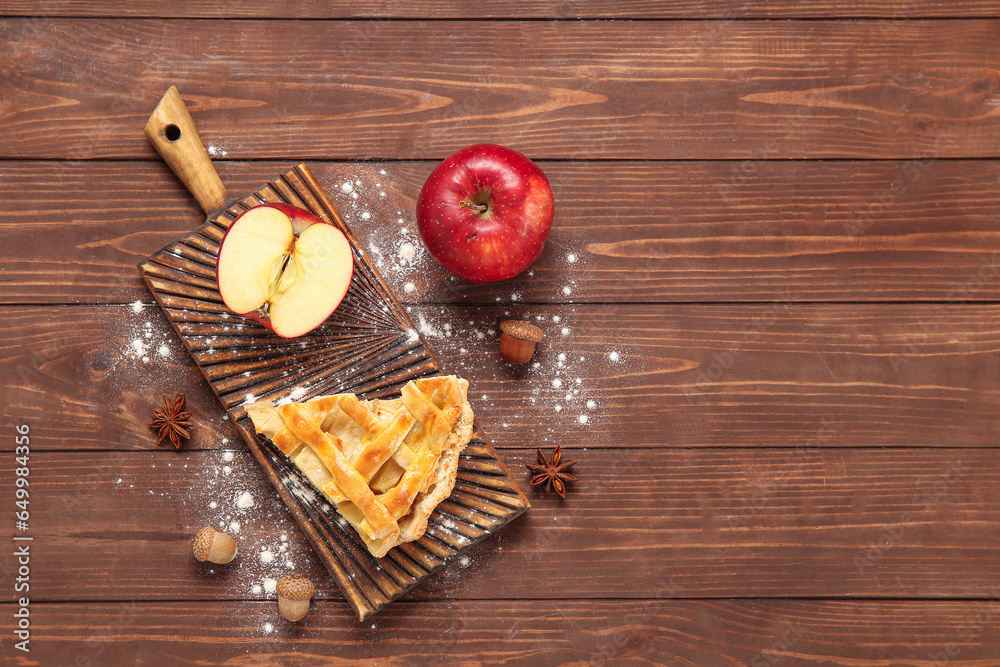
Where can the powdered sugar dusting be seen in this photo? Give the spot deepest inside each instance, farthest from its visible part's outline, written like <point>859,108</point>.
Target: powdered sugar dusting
<point>217,151</point>
<point>241,504</point>
<point>245,500</point>
<point>425,327</point>
<point>566,374</point>
<point>407,252</point>
<point>395,246</point>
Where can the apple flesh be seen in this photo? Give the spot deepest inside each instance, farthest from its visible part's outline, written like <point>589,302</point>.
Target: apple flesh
<point>283,267</point>
<point>485,213</point>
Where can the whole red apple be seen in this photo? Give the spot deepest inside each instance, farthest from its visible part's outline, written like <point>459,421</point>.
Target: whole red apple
<point>485,212</point>
<point>283,267</point>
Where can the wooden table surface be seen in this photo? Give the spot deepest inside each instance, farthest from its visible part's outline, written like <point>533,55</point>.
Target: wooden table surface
<point>774,274</point>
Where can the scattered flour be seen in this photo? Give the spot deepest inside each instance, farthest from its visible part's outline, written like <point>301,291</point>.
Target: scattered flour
<point>407,252</point>
<point>245,501</point>
<point>425,328</point>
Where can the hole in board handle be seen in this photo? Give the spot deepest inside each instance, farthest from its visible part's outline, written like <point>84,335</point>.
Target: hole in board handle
<point>172,132</point>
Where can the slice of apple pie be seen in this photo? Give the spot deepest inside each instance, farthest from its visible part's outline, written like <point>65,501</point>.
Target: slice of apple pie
<point>384,464</point>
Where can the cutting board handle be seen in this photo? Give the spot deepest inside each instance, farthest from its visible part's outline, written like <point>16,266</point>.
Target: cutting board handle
<point>174,136</point>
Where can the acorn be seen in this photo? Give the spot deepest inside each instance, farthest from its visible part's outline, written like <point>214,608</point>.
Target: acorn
<point>517,343</point>
<point>213,546</point>
<point>294,593</point>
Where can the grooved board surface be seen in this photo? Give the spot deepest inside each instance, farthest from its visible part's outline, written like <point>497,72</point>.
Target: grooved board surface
<point>367,347</point>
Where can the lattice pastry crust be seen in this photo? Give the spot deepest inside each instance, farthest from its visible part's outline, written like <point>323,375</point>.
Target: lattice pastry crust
<point>384,464</point>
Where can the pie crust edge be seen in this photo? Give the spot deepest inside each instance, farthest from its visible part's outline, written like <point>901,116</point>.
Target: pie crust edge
<point>413,524</point>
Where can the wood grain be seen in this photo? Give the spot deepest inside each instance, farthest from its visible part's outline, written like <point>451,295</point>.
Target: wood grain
<point>644,231</point>
<point>368,348</point>
<point>895,10</point>
<point>721,180</point>
<point>673,632</point>
<point>575,90</point>
<point>779,375</point>
<point>638,524</point>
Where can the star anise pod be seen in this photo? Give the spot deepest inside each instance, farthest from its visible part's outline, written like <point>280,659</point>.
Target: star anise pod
<point>552,473</point>
<point>172,421</point>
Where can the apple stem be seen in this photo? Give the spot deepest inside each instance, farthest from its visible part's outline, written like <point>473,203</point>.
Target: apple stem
<point>479,208</point>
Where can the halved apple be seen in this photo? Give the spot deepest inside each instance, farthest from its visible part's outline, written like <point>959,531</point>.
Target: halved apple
<point>283,267</point>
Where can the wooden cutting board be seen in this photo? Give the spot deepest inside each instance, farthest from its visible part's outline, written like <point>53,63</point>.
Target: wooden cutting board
<point>368,347</point>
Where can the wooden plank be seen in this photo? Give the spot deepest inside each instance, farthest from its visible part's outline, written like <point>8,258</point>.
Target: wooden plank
<point>895,10</point>
<point>659,523</point>
<point>651,232</point>
<point>778,375</point>
<point>674,632</point>
<point>648,90</point>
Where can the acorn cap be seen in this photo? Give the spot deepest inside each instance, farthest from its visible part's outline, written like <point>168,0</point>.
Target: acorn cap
<point>295,587</point>
<point>522,330</point>
<point>202,543</point>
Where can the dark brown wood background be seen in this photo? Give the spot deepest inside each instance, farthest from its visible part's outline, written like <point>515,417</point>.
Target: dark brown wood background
<point>787,216</point>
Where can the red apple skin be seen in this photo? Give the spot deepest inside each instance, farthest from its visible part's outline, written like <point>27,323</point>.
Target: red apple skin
<point>301,219</point>
<point>505,239</point>
<point>263,321</point>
